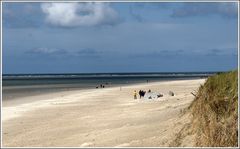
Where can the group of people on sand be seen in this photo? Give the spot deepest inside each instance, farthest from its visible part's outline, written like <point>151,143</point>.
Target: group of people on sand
<point>141,93</point>
<point>101,86</point>
<point>150,95</point>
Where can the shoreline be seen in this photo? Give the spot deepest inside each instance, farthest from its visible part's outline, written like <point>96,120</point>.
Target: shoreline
<point>39,99</point>
<point>65,89</point>
<point>101,109</point>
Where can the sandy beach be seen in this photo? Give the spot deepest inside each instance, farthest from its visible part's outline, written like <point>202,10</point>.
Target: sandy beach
<point>108,117</point>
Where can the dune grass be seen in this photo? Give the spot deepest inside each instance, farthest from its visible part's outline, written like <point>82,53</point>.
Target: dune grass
<point>215,111</point>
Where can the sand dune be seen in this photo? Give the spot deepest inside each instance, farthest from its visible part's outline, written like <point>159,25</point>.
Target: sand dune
<point>99,117</point>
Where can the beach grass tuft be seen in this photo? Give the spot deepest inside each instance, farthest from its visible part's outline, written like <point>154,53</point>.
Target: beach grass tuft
<point>215,111</point>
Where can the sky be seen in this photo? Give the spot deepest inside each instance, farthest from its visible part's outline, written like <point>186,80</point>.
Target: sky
<point>119,37</point>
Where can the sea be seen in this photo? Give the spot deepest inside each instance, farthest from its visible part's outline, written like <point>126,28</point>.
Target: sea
<point>22,85</point>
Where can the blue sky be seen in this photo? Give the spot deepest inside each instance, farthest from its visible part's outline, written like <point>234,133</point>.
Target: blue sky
<point>119,37</point>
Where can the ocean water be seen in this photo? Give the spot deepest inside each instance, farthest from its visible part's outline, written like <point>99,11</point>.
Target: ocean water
<point>22,85</point>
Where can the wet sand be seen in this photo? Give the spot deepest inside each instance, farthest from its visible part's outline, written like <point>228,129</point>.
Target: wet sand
<point>107,117</point>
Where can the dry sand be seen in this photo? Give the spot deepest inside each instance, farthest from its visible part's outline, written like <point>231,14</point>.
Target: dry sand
<point>100,117</point>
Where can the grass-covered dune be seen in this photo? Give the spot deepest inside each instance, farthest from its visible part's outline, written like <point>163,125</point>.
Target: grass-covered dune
<point>215,111</point>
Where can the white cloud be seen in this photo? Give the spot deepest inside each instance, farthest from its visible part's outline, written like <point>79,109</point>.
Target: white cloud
<point>79,14</point>
<point>46,51</point>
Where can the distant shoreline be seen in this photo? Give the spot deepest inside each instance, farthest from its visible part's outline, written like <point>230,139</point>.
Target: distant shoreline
<point>113,73</point>
<point>107,76</point>
<point>13,92</point>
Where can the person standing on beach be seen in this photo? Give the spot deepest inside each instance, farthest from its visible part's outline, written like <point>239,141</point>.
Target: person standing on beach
<point>140,93</point>
<point>135,94</point>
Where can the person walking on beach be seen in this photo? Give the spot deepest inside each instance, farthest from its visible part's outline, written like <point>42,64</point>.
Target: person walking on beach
<point>135,94</point>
